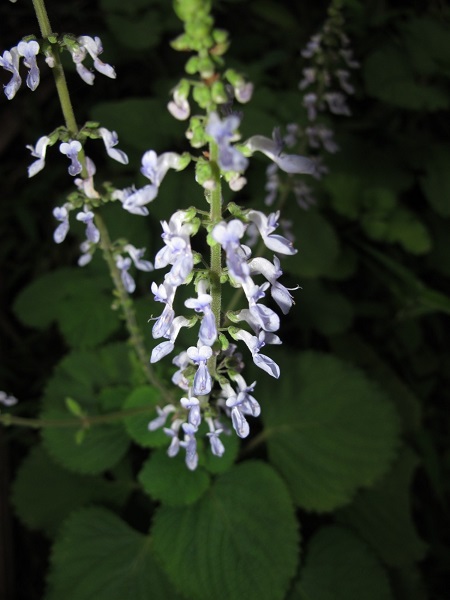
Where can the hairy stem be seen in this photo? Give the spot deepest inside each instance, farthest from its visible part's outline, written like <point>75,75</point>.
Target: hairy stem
<point>126,303</point>
<point>81,422</point>
<point>216,250</point>
<point>58,71</point>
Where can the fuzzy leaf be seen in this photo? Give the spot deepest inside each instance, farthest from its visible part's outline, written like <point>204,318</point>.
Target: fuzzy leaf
<point>231,544</point>
<point>97,555</point>
<point>56,492</point>
<point>382,515</point>
<point>81,305</point>
<point>329,429</point>
<point>339,566</point>
<point>168,480</point>
<point>143,400</point>
<point>317,245</point>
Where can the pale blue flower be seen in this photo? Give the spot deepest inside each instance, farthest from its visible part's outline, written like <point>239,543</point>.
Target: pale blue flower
<point>10,62</point>
<point>29,51</point>
<point>136,255</point>
<point>123,264</point>
<point>134,200</point>
<point>86,253</point>
<point>193,406</point>
<point>110,139</point>
<point>217,447</point>
<point>86,186</point>
<point>179,106</point>
<point>190,445</point>
<point>165,348</point>
<point>61,214</point>
<point>94,47</point>
<point>161,419</point>
<point>223,133</point>
<point>7,399</point>
<point>254,344</point>
<point>208,329</point>
<point>155,167</point>
<point>272,272</point>
<point>71,149</point>
<point>87,217</point>
<point>202,378</point>
<point>38,152</point>
<point>266,225</point>
<point>228,235</point>
<point>289,163</point>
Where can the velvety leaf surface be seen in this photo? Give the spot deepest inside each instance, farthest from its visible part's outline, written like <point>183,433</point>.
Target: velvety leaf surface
<point>170,481</point>
<point>56,492</point>
<point>98,556</point>
<point>339,566</point>
<point>144,400</point>
<point>329,429</point>
<point>240,540</point>
<point>382,515</point>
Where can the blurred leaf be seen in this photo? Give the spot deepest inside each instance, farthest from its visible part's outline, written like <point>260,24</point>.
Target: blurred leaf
<point>132,119</point>
<point>389,76</point>
<point>327,310</point>
<point>144,400</point>
<point>329,429</point>
<point>82,375</point>
<point>428,43</point>
<point>55,492</point>
<point>436,181</point>
<point>170,481</point>
<point>413,295</point>
<point>78,301</point>
<point>317,245</point>
<point>355,349</point>
<point>382,515</point>
<point>101,447</point>
<point>339,566</point>
<point>229,545</point>
<point>97,555</point>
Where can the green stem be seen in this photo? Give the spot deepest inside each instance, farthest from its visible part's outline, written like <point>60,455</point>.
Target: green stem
<point>216,251</point>
<point>105,243</point>
<point>136,339</point>
<point>83,422</point>
<point>58,71</point>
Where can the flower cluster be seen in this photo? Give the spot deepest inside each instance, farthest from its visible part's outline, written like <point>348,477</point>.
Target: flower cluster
<point>209,373</point>
<point>325,86</point>
<point>28,50</point>
<point>10,61</point>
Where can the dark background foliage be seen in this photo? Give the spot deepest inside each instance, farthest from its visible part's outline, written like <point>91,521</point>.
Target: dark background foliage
<point>373,263</point>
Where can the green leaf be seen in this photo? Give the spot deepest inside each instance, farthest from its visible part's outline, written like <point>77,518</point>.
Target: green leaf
<point>327,310</point>
<point>329,429</point>
<point>436,181</point>
<point>143,400</point>
<point>101,447</point>
<point>317,245</point>
<point>239,540</point>
<point>170,481</point>
<point>82,375</point>
<point>389,76</point>
<point>43,493</point>
<point>131,119</point>
<point>356,350</point>
<point>339,566</point>
<point>220,464</point>
<point>382,515</point>
<point>80,304</point>
<point>97,555</point>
